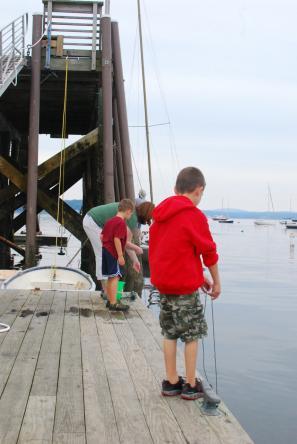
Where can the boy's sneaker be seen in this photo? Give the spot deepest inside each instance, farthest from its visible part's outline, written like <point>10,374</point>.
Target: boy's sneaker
<point>192,393</point>
<point>107,304</point>
<point>169,389</point>
<point>118,307</point>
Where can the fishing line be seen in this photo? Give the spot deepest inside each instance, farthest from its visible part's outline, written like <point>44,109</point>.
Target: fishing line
<point>214,345</point>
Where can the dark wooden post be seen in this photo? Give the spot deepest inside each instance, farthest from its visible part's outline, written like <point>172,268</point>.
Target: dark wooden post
<point>33,143</point>
<point>118,152</point>
<point>122,111</point>
<point>107,110</point>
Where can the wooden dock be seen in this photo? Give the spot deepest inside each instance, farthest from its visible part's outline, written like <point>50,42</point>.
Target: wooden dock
<point>72,372</point>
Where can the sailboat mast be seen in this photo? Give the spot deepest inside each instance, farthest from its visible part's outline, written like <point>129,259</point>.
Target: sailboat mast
<point>145,103</point>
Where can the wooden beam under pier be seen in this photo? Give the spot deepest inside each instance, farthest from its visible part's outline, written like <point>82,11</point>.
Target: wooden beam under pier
<point>73,221</point>
<point>48,171</point>
<point>12,245</point>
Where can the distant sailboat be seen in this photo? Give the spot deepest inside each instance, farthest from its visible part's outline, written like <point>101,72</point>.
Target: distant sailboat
<point>270,207</point>
<point>223,219</point>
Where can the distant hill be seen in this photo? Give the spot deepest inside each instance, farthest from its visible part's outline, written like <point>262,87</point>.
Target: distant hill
<point>243,214</point>
<point>228,212</point>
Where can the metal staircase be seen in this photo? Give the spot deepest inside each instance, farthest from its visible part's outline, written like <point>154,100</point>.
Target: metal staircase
<point>12,51</point>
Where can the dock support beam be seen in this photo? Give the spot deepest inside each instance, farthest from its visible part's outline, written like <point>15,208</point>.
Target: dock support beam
<point>108,166</point>
<point>118,152</point>
<point>33,143</point>
<point>122,111</point>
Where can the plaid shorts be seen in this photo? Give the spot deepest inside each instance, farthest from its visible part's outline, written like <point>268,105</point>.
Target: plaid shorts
<point>182,316</point>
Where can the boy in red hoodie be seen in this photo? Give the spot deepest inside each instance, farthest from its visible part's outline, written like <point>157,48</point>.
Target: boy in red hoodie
<point>179,238</point>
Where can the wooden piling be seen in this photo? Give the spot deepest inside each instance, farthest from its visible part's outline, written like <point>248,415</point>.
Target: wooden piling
<point>122,111</point>
<point>33,142</point>
<point>108,168</point>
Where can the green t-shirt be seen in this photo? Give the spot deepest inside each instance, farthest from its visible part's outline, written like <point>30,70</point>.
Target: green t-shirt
<point>103,213</point>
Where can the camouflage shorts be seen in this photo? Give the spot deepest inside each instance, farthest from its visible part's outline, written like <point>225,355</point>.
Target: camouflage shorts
<point>182,317</point>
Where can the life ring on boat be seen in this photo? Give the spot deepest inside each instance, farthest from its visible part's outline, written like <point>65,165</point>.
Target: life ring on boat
<point>4,328</point>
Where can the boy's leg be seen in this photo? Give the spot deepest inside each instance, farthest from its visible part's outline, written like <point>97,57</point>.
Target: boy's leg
<point>191,350</point>
<point>169,348</point>
<point>111,288</point>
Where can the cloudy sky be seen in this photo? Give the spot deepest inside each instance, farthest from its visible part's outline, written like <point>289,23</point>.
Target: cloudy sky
<point>224,73</point>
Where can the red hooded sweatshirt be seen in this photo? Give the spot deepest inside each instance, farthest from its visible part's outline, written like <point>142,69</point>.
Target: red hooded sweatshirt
<point>179,237</point>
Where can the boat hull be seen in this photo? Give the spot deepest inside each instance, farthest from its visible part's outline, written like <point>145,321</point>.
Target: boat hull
<point>50,278</point>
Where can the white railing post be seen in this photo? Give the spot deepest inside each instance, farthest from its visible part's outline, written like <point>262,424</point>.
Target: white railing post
<point>23,35</point>
<point>13,43</point>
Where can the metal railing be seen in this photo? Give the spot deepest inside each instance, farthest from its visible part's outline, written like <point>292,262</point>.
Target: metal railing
<point>12,49</point>
<point>78,24</point>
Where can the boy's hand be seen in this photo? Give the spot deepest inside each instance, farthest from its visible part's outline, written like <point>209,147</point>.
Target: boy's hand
<point>136,266</point>
<point>215,291</point>
<point>121,260</point>
<point>207,284</point>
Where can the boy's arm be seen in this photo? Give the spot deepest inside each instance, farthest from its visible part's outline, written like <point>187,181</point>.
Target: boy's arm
<point>216,284</point>
<point>118,247</point>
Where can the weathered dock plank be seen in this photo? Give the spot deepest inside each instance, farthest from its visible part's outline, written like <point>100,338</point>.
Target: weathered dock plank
<point>38,422</point>
<point>131,422</point>
<point>10,308</point>
<point>40,412</point>
<point>12,340</point>
<point>16,392</point>
<point>99,413</point>
<point>72,372</point>
<point>158,415</point>
<point>69,419</point>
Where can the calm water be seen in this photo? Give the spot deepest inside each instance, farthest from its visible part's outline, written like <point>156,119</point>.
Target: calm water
<point>256,328</point>
<point>255,325</point>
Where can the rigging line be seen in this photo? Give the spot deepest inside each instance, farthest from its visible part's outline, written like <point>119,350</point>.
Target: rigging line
<point>158,77</point>
<point>161,175</point>
<point>143,126</point>
<point>137,174</point>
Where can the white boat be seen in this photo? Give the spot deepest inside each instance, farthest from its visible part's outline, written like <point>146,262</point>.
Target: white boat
<point>264,222</point>
<point>219,218</point>
<point>226,221</point>
<point>50,278</point>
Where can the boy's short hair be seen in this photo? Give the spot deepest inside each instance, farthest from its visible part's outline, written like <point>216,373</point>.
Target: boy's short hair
<point>188,180</point>
<point>126,204</point>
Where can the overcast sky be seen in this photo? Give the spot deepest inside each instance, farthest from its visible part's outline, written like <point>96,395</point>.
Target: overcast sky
<point>224,72</point>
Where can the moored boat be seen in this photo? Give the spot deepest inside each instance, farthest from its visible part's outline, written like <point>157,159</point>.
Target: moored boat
<point>264,222</point>
<point>50,278</point>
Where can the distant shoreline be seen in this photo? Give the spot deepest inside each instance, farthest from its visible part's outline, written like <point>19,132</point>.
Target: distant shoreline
<point>228,212</point>
<point>76,204</point>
